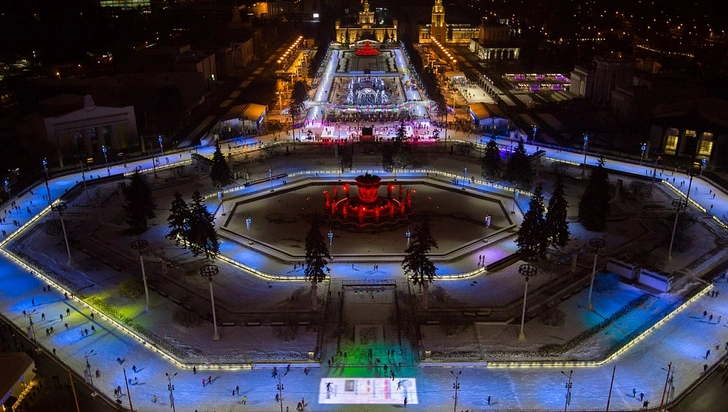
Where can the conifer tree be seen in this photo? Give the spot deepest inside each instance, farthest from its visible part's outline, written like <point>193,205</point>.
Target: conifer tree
<point>557,227</point>
<point>532,237</point>
<point>594,203</point>
<point>202,234</point>
<point>178,220</point>
<point>491,160</point>
<point>317,254</point>
<point>139,204</point>
<point>219,172</point>
<point>519,170</point>
<point>417,264</point>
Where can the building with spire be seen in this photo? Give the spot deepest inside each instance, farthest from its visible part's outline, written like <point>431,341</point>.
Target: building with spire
<point>439,30</point>
<point>366,27</point>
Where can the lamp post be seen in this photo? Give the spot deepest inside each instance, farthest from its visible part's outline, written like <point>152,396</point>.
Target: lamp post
<point>568,389</point>
<point>465,176</point>
<point>29,315</point>
<point>88,370</point>
<point>526,270</point>
<point>270,178</point>
<point>643,149</point>
<point>513,205</point>
<point>596,244</point>
<point>679,205</point>
<point>586,144</point>
<point>331,243</point>
<point>409,235</point>
<point>703,165</point>
<point>456,387</point>
<point>280,389</point>
<point>139,245</point>
<point>48,189</point>
<point>248,223</point>
<point>488,219</point>
<point>535,129</point>
<point>161,144</point>
<point>170,388</point>
<point>128,392</point>
<point>6,182</point>
<point>106,159</point>
<point>668,384</point>
<point>209,272</point>
<point>59,208</point>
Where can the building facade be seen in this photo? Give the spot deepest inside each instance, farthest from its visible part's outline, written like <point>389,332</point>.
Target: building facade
<point>366,27</point>
<point>84,132</point>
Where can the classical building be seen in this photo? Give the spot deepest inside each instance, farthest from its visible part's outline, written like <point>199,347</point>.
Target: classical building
<point>598,80</point>
<point>366,27</point>
<point>439,30</point>
<point>694,130</point>
<point>86,130</point>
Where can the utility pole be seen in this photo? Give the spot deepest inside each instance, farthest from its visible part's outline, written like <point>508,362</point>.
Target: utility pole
<point>568,389</point>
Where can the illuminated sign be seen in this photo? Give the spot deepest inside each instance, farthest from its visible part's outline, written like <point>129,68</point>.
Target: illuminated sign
<point>367,391</point>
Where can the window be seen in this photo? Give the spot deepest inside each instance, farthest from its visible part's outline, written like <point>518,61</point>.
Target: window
<point>706,145</point>
<point>671,141</point>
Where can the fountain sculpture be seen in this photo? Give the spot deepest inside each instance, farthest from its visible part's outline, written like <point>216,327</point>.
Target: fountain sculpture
<point>368,209</point>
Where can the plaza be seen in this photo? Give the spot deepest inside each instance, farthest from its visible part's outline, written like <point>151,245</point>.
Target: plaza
<point>371,344</point>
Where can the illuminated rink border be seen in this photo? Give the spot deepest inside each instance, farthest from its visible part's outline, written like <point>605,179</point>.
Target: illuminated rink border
<point>365,391</point>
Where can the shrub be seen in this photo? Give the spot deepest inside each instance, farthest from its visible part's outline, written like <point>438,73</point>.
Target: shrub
<point>606,282</point>
<point>131,289</point>
<point>553,317</point>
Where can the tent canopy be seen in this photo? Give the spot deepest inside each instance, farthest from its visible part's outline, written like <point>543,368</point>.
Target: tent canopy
<point>249,111</point>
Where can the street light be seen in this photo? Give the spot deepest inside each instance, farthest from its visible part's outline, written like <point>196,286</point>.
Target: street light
<point>161,145</point>
<point>331,243</point>
<point>48,189</point>
<point>281,389</point>
<point>586,144</point>
<point>526,270</point>
<point>209,272</point>
<point>596,244</point>
<point>408,234</point>
<point>535,129</point>
<point>248,223</point>
<point>487,225</point>
<point>568,389</point>
<point>7,186</point>
<point>679,205</point>
<point>29,315</point>
<point>59,208</point>
<point>515,197</point>
<point>170,388</point>
<point>106,159</point>
<point>270,177</point>
<point>643,149</point>
<point>139,245</point>
<point>88,370</point>
<point>456,387</point>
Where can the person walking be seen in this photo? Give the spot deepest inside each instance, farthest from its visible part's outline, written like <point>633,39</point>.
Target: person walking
<point>642,396</point>
<point>707,353</point>
<point>237,389</point>
<point>194,370</point>
<point>634,391</point>
<point>68,312</point>
<point>245,400</point>
<point>42,316</point>
<point>405,401</point>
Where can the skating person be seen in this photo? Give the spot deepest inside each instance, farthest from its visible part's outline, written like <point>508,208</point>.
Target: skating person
<point>194,370</point>
<point>245,400</point>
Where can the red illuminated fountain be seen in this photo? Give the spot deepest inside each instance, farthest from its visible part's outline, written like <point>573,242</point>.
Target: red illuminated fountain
<point>367,51</point>
<point>368,209</point>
